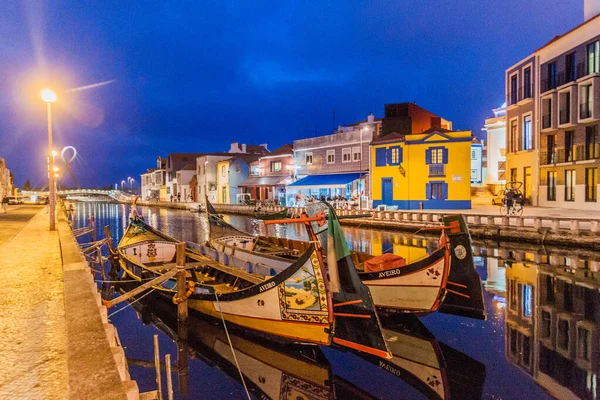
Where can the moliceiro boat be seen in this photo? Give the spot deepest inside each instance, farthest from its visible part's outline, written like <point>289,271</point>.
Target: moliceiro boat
<point>296,304</point>
<point>445,280</point>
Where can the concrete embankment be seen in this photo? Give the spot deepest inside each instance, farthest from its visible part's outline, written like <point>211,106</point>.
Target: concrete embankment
<point>568,232</point>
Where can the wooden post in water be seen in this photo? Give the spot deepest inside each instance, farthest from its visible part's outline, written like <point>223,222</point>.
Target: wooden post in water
<point>182,310</point>
<point>157,366</point>
<point>169,380</point>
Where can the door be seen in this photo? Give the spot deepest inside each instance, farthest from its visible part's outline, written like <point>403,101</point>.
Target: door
<point>387,195</point>
<point>527,183</point>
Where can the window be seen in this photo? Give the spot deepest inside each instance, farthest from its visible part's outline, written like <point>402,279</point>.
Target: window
<point>330,156</point>
<point>569,68</point>
<point>565,108</point>
<point>513,89</point>
<point>546,328</point>
<point>570,185</point>
<point>238,167</point>
<point>513,175</point>
<point>395,155</point>
<point>527,138</point>
<point>569,138</point>
<point>552,75</point>
<point>436,156</point>
<point>527,300</point>
<point>275,166</point>
<point>436,190</point>
<point>512,145</point>
<point>551,149</point>
<point>527,83</point>
<point>512,294</point>
<point>551,185</point>
<point>591,142</point>
<point>562,340</point>
<point>585,104</point>
<point>346,154</point>
<point>356,154</point>
<point>584,348</point>
<point>547,113</point>
<point>223,171</point>
<point>593,54</point>
<point>309,158</point>
<point>255,170</point>
<point>591,184</point>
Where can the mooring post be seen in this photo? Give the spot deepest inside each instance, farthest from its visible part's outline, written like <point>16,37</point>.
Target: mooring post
<point>182,310</point>
<point>157,366</point>
<point>169,379</point>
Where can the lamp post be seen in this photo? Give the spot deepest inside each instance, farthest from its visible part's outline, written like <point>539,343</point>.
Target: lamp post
<point>129,180</point>
<point>122,182</point>
<point>49,97</point>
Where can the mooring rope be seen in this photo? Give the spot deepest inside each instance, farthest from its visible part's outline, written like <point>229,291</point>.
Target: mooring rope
<point>232,350</point>
<point>132,303</point>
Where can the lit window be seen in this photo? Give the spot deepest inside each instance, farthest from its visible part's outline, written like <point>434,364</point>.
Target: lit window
<point>275,166</point>
<point>437,156</point>
<point>395,155</point>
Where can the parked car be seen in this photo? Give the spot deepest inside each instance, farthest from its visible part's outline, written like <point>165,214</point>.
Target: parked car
<point>40,200</point>
<point>12,200</point>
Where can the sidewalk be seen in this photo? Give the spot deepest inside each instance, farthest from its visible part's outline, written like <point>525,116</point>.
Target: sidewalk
<point>32,310</point>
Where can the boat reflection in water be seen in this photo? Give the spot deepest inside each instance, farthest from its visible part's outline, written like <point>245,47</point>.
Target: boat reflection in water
<point>276,371</point>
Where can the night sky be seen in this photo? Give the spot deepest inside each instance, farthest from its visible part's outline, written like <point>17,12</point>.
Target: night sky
<point>195,76</point>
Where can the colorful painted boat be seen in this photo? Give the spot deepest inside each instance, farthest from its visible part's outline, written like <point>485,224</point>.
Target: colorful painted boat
<point>295,304</point>
<point>268,216</point>
<point>419,287</point>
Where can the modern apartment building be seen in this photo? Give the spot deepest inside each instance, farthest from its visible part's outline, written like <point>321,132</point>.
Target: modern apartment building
<point>570,111</point>
<point>552,114</point>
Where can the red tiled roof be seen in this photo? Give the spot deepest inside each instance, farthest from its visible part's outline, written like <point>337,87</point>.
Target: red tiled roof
<point>283,150</point>
<point>392,137</point>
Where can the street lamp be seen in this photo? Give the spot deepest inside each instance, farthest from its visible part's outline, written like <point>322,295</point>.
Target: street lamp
<point>122,182</point>
<point>49,97</point>
<point>130,181</point>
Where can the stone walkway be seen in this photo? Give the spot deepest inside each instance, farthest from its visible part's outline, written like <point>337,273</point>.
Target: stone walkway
<point>33,344</point>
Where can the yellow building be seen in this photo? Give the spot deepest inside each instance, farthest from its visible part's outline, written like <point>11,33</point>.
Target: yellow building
<point>223,181</point>
<point>429,170</point>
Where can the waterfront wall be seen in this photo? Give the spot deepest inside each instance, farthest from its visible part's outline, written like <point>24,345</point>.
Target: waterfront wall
<point>96,361</point>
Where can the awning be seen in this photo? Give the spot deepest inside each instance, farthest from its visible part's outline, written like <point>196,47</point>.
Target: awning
<point>326,181</point>
<point>265,180</point>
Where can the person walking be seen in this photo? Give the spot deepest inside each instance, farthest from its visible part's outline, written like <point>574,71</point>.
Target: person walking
<point>5,204</point>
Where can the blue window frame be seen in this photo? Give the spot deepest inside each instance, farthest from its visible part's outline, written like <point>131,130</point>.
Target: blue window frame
<point>436,190</point>
<point>381,157</point>
<point>436,155</point>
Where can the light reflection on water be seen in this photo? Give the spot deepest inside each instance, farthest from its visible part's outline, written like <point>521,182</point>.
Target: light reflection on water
<point>541,333</point>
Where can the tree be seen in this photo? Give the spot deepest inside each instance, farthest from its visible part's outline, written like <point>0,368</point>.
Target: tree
<point>27,185</point>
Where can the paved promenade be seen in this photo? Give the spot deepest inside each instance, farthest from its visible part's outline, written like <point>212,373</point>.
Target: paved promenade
<point>33,339</point>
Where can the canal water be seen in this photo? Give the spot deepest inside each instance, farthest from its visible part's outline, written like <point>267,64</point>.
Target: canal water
<point>540,340</point>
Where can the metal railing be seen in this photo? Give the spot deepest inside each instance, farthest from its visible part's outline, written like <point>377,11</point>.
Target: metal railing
<point>437,169</point>
<point>524,92</point>
<point>585,110</point>
<point>548,157</point>
<point>546,121</point>
<point>565,115</point>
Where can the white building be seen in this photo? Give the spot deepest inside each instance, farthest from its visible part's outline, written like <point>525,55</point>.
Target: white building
<point>6,183</point>
<point>476,163</point>
<point>206,174</point>
<point>495,178</point>
<point>153,180</point>
<point>183,177</point>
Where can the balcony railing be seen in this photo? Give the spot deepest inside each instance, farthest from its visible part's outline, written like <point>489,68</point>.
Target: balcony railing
<point>585,110</point>
<point>437,169</point>
<point>565,116</point>
<point>582,70</point>
<point>549,84</point>
<point>592,151</point>
<point>566,77</point>
<point>546,121</point>
<point>549,157</point>
<point>524,92</point>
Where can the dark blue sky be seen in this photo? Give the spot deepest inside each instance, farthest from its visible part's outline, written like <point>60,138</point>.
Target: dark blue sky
<point>194,76</point>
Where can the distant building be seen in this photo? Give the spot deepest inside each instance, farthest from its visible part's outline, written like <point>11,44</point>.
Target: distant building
<point>153,180</point>
<point>269,175</point>
<point>336,164</point>
<point>495,178</point>
<point>176,162</point>
<point>206,176</point>
<point>429,170</point>
<point>476,162</point>
<point>6,181</point>
<point>407,118</point>
<point>231,173</point>
<point>184,177</point>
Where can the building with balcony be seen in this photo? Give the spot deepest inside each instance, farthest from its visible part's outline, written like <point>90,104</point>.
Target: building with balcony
<point>495,177</point>
<point>154,180</point>
<point>429,170</point>
<point>570,107</point>
<point>335,165</point>
<point>269,176</point>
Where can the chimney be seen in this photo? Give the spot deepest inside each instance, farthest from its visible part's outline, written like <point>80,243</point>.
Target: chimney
<point>234,148</point>
<point>371,118</point>
<point>591,8</point>
<point>243,148</point>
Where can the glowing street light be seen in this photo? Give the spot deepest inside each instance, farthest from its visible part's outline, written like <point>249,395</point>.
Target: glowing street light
<point>49,97</point>
<point>130,180</point>
<point>122,182</point>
